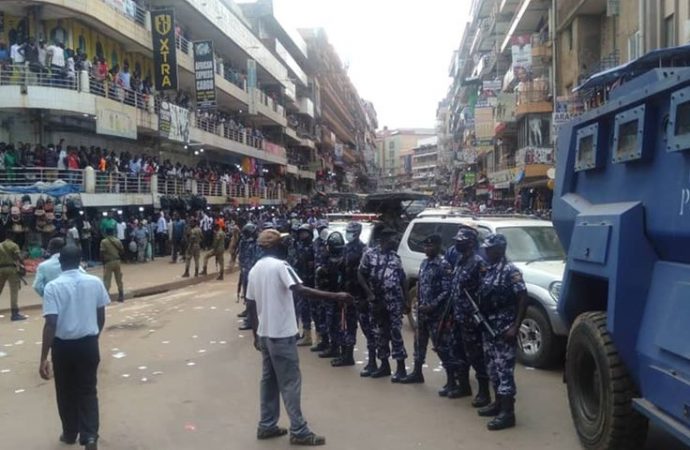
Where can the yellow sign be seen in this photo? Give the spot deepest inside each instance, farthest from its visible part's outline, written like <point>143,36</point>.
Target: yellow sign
<point>164,23</point>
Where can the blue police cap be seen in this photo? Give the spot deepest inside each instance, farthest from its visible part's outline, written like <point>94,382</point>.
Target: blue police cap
<point>466,234</point>
<point>495,240</point>
<point>354,227</point>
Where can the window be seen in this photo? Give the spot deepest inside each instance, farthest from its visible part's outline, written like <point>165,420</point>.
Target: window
<point>683,119</point>
<point>391,145</point>
<point>532,243</point>
<point>419,232</point>
<point>391,153</point>
<point>669,31</point>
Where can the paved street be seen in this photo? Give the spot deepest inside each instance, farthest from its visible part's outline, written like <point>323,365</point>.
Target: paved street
<point>176,374</point>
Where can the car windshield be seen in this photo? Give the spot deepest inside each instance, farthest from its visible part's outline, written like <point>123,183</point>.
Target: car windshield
<point>367,228</point>
<point>532,243</point>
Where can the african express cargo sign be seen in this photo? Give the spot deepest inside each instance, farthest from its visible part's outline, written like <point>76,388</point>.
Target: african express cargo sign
<point>204,75</point>
<point>164,50</point>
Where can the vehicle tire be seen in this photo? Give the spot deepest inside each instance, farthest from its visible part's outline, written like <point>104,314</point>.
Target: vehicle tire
<point>412,315</point>
<point>600,392</point>
<point>538,346</point>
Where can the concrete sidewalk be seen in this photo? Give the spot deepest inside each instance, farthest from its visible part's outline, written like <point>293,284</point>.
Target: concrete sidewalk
<point>140,279</point>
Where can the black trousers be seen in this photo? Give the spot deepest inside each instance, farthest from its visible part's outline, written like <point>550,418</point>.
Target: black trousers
<point>75,363</point>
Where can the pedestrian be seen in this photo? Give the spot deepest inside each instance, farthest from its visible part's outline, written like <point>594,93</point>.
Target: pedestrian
<point>343,326</point>
<point>141,237</point>
<point>354,249</point>
<point>11,271</point>
<point>161,234</point>
<point>383,279</point>
<point>467,346</point>
<point>206,226</point>
<point>504,300</point>
<point>49,269</point>
<point>193,238</point>
<point>178,233</point>
<point>270,288</point>
<point>74,311</point>
<point>121,234</point>
<point>304,266</point>
<point>86,237</point>
<point>217,251</point>
<point>433,290</point>
<point>234,232</point>
<point>111,254</point>
<point>73,235</point>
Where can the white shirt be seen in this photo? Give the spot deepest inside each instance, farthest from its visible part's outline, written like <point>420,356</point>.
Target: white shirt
<point>75,298</point>
<point>121,228</point>
<point>16,55</point>
<point>73,236</point>
<point>61,160</point>
<point>269,285</point>
<point>57,56</point>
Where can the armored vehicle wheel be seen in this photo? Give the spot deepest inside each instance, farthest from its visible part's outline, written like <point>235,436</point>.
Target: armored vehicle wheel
<point>412,315</point>
<point>600,391</point>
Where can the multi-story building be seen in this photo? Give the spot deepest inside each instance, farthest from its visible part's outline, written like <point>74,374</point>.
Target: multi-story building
<point>260,133</point>
<point>425,165</point>
<point>394,150</point>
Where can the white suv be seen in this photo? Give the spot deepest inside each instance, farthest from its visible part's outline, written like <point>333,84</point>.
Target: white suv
<point>533,247</point>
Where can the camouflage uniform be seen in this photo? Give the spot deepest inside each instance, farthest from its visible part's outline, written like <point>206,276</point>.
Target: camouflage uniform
<point>433,289</point>
<point>303,262</point>
<point>467,335</point>
<point>500,288</point>
<point>322,312</point>
<point>353,255</point>
<point>383,270</point>
<point>247,257</point>
<point>342,320</point>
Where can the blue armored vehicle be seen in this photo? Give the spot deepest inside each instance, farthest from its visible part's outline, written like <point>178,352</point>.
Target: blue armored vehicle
<point>622,210</point>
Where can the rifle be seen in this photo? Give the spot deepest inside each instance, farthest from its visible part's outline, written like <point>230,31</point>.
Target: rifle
<point>478,317</point>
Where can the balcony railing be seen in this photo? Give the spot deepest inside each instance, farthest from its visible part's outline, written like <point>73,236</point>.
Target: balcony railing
<point>28,176</point>
<point>111,90</point>
<point>22,75</point>
<point>129,9</point>
<point>174,186</point>
<point>533,97</point>
<point>122,183</point>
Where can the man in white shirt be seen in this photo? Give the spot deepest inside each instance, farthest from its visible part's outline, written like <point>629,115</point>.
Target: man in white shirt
<point>74,311</point>
<point>161,233</point>
<point>271,285</point>
<point>56,56</point>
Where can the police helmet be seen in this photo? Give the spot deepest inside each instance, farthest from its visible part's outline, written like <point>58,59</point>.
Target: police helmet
<point>354,227</point>
<point>465,234</point>
<point>305,227</point>
<point>268,226</point>
<point>249,229</point>
<point>335,241</point>
<point>495,240</point>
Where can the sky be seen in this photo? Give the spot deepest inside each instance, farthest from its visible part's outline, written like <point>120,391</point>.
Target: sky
<point>398,51</point>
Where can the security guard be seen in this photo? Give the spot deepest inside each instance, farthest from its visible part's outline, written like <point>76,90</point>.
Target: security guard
<point>354,249</point>
<point>111,254</point>
<point>217,250</point>
<point>321,313</point>
<point>304,266</point>
<point>10,259</point>
<point>503,302</point>
<point>342,326</point>
<point>194,238</point>
<point>433,290</point>
<point>467,335</point>
<point>247,256</point>
<point>383,279</point>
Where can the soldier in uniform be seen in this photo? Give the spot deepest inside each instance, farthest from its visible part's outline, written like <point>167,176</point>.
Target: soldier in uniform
<point>343,323</point>
<point>433,290</point>
<point>503,302</point>
<point>247,256</point>
<point>354,249</point>
<point>467,344</point>
<point>383,279</point>
<point>304,266</point>
<point>194,238</point>
<point>320,312</point>
<point>217,250</point>
<point>10,258</point>
<point>111,254</point>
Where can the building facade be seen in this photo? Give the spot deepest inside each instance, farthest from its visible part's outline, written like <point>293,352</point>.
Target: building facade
<point>394,151</point>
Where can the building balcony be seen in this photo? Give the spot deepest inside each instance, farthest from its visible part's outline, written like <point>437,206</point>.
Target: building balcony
<point>306,106</point>
<point>567,9</point>
<point>533,97</point>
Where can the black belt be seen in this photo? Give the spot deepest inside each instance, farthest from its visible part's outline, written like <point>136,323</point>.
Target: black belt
<point>7,265</point>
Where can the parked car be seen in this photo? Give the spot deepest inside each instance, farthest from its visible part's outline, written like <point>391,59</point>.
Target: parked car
<point>367,230</point>
<point>533,247</point>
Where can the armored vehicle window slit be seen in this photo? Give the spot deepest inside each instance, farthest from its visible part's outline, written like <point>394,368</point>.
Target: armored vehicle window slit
<point>678,133</point>
<point>586,148</point>
<point>682,119</point>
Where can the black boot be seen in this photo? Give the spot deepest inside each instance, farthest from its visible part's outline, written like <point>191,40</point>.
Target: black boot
<point>220,277</point>
<point>416,376</point>
<point>16,316</point>
<point>450,381</point>
<point>506,416</point>
<point>370,367</point>
<point>463,388</point>
<point>121,297</point>
<point>400,372</point>
<point>185,274</point>
<point>321,345</point>
<point>492,409</point>
<point>483,397</point>
<point>346,358</point>
<point>196,272</point>
<point>384,370</point>
<point>244,313</point>
<point>333,351</point>
<point>204,271</point>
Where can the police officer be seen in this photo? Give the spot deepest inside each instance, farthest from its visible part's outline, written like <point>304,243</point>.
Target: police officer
<point>433,290</point>
<point>321,313</point>
<point>10,258</point>
<point>354,249</point>
<point>217,250</point>
<point>343,322</point>
<point>194,238</point>
<point>383,279</point>
<point>111,254</point>
<point>467,335</point>
<point>304,266</point>
<point>247,256</point>
<point>503,302</point>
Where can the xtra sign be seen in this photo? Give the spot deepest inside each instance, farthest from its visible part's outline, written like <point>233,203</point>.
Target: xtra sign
<point>164,50</point>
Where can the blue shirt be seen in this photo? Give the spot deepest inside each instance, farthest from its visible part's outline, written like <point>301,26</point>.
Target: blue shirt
<point>162,225</point>
<point>46,272</point>
<point>75,298</point>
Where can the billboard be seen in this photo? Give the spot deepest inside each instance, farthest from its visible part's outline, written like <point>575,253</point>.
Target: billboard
<point>204,75</point>
<point>164,50</point>
<point>173,122</point>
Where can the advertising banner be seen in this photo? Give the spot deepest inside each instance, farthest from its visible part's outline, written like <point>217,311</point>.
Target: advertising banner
<point>204,75</point>
<point>114,119</point>
<point>173,122</point>
<point>164,50</point>
<point>521,51</point>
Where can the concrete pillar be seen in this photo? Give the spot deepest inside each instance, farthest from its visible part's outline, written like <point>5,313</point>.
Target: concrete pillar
<point>154,183</point>
<point>195,189</point>
<point>223,189</point>
<point>150,104</point>
<point>84,82</point>
<point>89,180</point>
<point>147,21</point>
